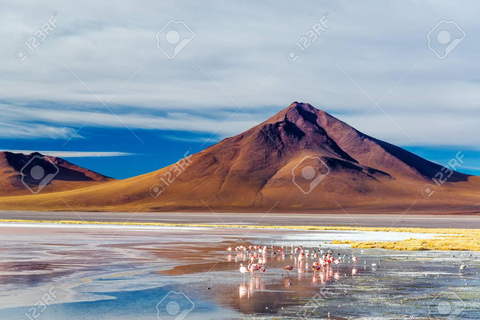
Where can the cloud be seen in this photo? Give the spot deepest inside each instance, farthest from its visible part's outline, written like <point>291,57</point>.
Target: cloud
<point>471,168</point>
<point>76,154</point>
<point>191,139</point>
<point>242,48</point>
<point>21,130</point>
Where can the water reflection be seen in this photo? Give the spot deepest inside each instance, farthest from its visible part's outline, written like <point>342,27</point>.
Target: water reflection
<point>277,290</point>
<point>184,261</point>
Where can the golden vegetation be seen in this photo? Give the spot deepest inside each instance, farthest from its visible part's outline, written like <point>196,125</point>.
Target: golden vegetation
<point>461,242</point>
<point>445,239</point>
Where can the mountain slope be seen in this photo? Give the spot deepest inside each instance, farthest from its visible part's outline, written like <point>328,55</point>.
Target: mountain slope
<point>19,172</point>
<point>301,159</point>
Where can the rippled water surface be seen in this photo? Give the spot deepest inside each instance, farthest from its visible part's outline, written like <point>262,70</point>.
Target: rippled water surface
<point>68,272</point>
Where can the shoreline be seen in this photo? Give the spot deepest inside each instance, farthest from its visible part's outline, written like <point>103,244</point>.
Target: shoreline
<point>446,239</point>
<point>248,226</point>
<point>401,219</point>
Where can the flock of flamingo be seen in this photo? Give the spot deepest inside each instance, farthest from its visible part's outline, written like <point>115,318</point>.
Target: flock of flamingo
<point>257,258</point>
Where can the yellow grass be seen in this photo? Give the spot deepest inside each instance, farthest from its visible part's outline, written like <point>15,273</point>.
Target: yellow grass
<point>447,243</point>
<point>446,239</point>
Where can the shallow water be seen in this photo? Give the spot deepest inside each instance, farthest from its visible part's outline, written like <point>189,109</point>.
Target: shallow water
<point>90,272</point>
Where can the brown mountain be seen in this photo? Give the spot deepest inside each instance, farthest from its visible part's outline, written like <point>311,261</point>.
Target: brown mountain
<point>301,159</point>
<point>35,173</point>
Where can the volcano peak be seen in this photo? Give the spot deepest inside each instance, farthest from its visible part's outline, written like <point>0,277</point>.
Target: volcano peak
<point>263,167</point>
<point>299,112</point>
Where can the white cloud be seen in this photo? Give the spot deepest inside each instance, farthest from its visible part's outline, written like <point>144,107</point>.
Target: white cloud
<point>240,46</point>
<point>75,154</point>
<point>177,121</point>
<point>34,131</point>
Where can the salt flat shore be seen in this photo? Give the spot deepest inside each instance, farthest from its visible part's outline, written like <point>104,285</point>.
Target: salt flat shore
<point>398,220</point>
<point>112,271</point>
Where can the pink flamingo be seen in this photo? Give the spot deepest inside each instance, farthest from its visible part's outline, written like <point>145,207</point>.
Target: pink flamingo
<point>302,256</point>
<point>288,268</point>
<point>337,262</point>
<point>243,270</point>
<point>253,268</point>
<point>322,262</point>
<point>315,267</point>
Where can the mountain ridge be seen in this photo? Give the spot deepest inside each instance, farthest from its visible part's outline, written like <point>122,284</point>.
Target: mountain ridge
<point>300,159</point>
<point>15,175</point>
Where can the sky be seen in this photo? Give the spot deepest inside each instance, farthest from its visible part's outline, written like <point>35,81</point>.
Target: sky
<point>126,88</point>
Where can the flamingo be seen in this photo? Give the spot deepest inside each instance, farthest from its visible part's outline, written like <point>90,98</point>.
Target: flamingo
<point>243,270</point>
<point>302,256</point>
<point>322,262</point>
<point>252,268</point>
<point>288,268</point>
